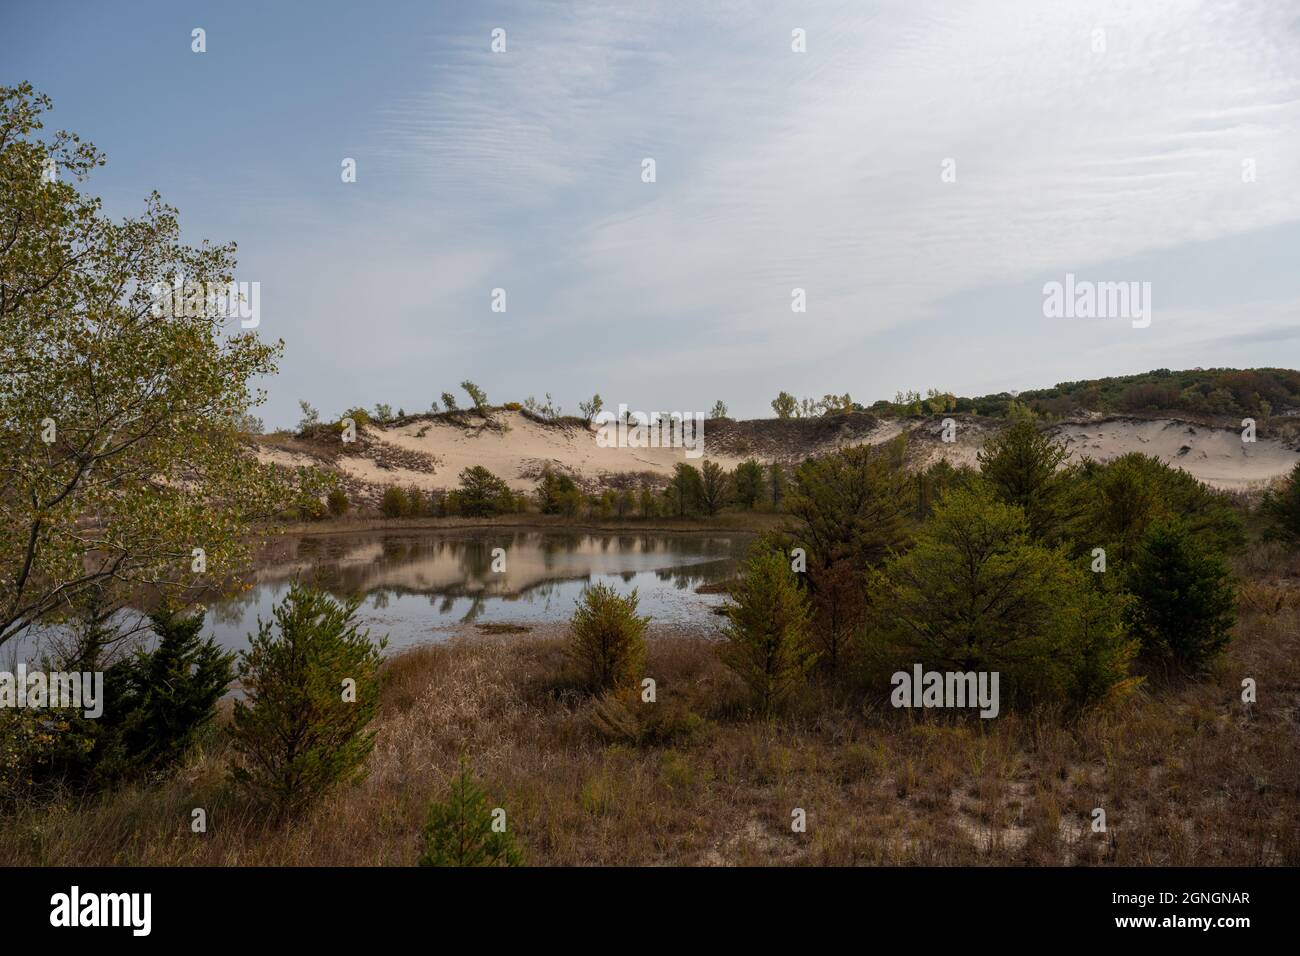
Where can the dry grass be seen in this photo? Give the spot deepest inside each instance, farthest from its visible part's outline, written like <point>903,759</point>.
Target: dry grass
<point>1186,774</point>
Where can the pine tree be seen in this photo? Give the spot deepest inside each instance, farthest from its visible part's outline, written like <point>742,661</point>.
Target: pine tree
<point>776,483</point>
<point>685,490</point>
<point>606,638</point>
<point>482,493</point>
<point>166,695</point>
<point>1185,603</point>
<point>311,691</point>
<point>977,593</point>
<point>460,830</point>
<point>748,480</point>
<point>1282,509</point>
<point>713,487</point>
<point>767,631</point>
<point>1021,465</point>
<point>850,510</point>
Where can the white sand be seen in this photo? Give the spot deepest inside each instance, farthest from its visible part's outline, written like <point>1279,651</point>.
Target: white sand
<point>518,452</point>
<point>515,454</point>
<point>1216,456</point>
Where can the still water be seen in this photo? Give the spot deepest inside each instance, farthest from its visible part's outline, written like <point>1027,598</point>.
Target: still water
<point>421,586</point>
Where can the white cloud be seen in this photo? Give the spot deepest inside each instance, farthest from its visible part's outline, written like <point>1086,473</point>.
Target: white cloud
<point>822,170</point>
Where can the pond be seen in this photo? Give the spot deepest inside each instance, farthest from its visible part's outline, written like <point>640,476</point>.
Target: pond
<point>421,586</point>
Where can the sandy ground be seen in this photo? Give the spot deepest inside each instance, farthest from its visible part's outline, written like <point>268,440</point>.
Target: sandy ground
<point>431,454</point>
<point>516,453</point>
<point>1216,456</point>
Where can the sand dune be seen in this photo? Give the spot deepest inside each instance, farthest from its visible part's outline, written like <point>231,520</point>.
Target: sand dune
<point>1216,456</point>
<point>430,454</point>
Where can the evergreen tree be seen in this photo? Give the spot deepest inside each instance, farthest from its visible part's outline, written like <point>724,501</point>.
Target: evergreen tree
<point>1185,603</point>
<point>1126,496</point>
<point>557,493</point>
<point>776,483</point>
<point>310,691</point>
<point>166,695</point>
<point>1021,466</point>
<point>748,481</point>
<point>648,504</point>
<point>337,502</point>
<point>767,634</point>
<point>977,593</point>
<point>607,638</point>
<point>460,830</point>
<point>1281,508</point>
<point>685,490</point>
<point>483,494</point>
<point>850,513</point>
<point>713,487</point>
<point>395,503</point>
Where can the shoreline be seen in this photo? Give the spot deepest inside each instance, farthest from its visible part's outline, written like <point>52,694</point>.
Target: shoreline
<point>750,523</point>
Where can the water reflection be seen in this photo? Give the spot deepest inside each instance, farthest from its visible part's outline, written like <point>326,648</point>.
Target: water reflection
<point>419,586</point>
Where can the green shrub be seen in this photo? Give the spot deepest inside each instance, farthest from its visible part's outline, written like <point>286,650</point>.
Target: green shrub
<point>607,638</point>
<point>977,593</point>
<point>156,703</point>
<point>460,831</point>
<point>360,418</point>
<point>162,698</point>
<point>1185,602</point>
<point>1021,465</point>
<point>849,512</point>
<point>1281,509</point>
<point>621,716</point>
<point>713,487</point>
<point>311,688</point>
<point>337,502</point>
<point>558,494</point>
<point>483,494</point>
<point>748,482</point>
<point>685,491</point>
<point>767,631</point>
<point>395,502</point>
<point>1127,495</point>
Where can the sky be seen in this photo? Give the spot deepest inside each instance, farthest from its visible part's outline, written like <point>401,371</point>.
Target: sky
<point>920,170</point>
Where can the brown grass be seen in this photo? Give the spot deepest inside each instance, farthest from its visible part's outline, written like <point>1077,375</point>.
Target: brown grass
<point>1186,774</point>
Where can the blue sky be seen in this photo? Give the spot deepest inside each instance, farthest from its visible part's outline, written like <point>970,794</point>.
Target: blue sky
<point>775,169</point>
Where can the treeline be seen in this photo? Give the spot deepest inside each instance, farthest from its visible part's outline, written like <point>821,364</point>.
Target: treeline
<point>1236,392</point>
<point>689,493</point>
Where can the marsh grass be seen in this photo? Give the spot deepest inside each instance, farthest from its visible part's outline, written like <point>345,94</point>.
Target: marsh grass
<point>1186,773</point>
